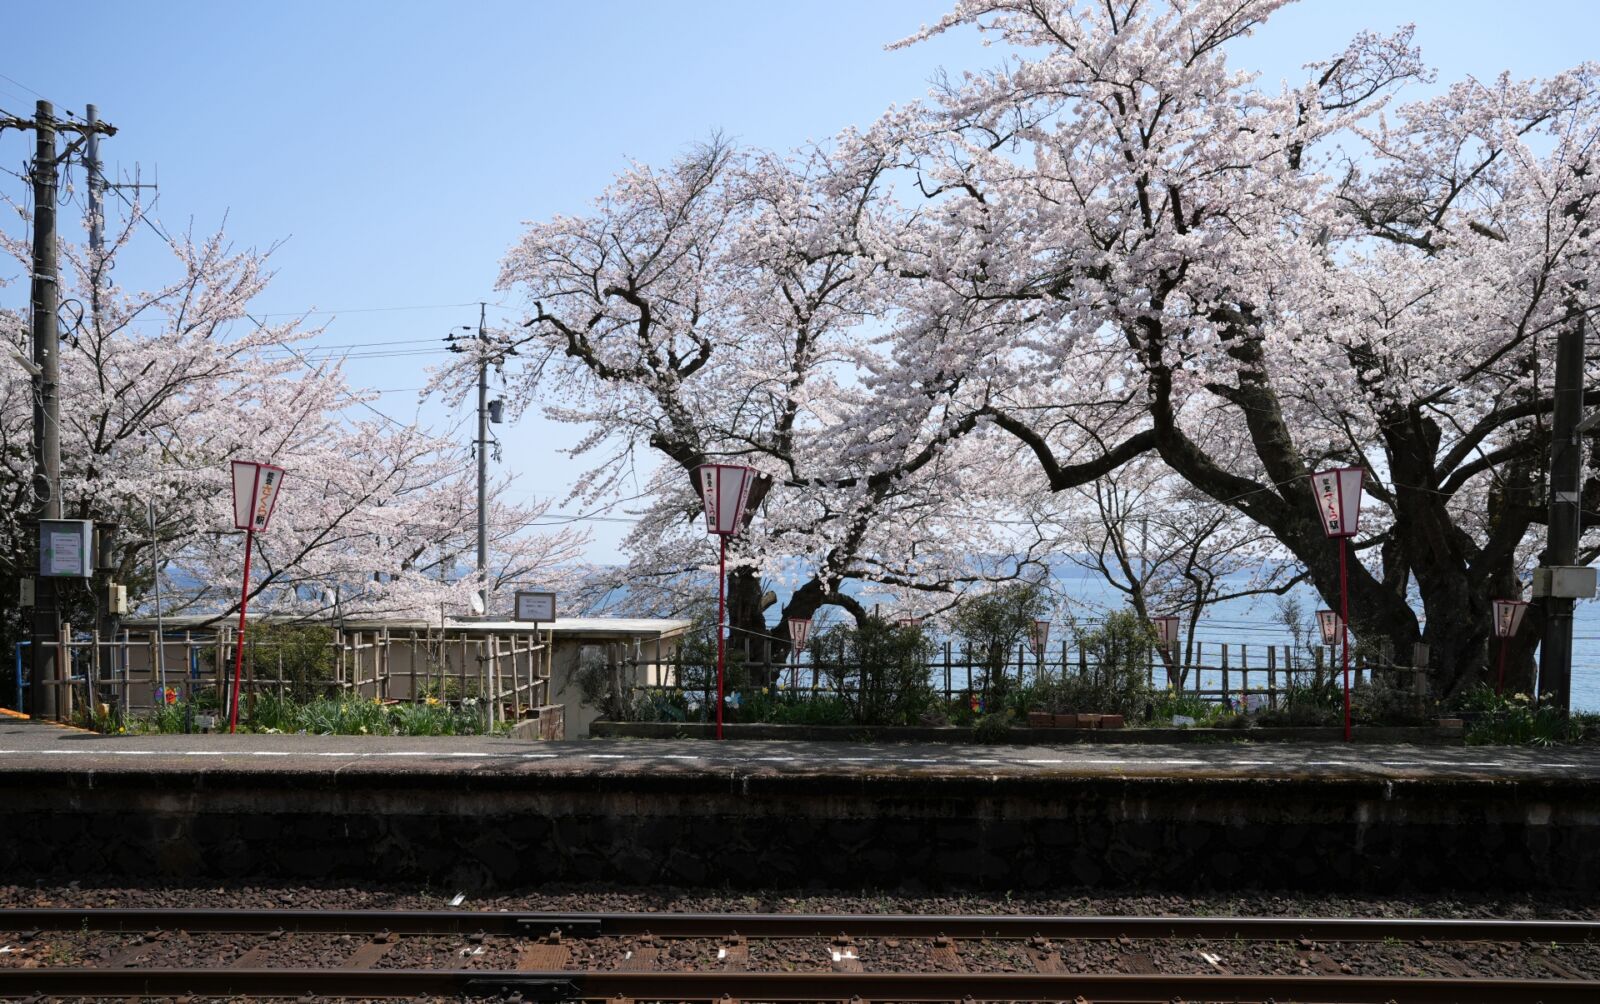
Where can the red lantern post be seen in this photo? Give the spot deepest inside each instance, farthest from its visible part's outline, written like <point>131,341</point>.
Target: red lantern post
<point>1507,619</point>
<point>255,495</point>
<point>1338,497</point>
<point>799,634</point>
<point>724,489</point>
<point>1331,625</point>
<point>1167,635</point>
<point>1040,636</point>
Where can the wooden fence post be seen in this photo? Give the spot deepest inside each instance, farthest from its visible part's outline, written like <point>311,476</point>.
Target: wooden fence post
<point>1272,676</point>
<point>1244,677</point>
<point>1225,647</point>
<point>947,671</point>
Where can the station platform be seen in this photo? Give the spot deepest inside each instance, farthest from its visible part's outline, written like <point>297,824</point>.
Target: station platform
<point>489,812</point>
<point>27,745</point>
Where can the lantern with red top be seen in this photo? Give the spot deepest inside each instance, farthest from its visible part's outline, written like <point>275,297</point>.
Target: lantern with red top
<point>1507,619</point>
<point>799,634</point>
<point>1329,623</point>
<point>1167,641</point>
<point>725,491</point>
<point>255,496</point>
<point>1166,632</point>
<point>1337,494</point>
<point>1040,635</point>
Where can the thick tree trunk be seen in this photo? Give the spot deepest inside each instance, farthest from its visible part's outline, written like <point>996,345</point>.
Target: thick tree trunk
<point>747,626</point>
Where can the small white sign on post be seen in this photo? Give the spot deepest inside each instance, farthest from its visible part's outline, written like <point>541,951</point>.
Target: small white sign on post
<point>537,607</point>
<point>65,547</point>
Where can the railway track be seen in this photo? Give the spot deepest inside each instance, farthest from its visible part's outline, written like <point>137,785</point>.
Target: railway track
<point>791,957</point>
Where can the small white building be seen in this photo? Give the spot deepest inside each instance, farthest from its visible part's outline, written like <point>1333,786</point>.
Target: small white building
<point>529,673</point>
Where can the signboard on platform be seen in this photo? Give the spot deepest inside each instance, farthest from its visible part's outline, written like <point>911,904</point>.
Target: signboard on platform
<point>539,608</point>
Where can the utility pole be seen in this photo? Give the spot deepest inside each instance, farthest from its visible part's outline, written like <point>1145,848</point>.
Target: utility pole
<point>105,617</point>
<point>1557,582</point>
<point>483,459</point>
<point>91,170</point>
<point>45,301</point>
<point>488,411</point>
<point>46,400</point>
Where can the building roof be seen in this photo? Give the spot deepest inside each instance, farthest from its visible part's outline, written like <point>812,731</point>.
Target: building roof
<point>564,627</point>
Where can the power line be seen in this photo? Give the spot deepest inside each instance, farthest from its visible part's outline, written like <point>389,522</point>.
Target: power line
<point>25,87</point>
<point>371,310</point>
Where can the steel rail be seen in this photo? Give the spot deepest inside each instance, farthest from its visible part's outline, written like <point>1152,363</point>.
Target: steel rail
<point>711,925</point>
<point>784,987</point>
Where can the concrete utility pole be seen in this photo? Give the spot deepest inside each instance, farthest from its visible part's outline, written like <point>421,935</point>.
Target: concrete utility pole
<point>46,399</point>
<point>488,411</point>
<point>1555,583</point>
<point>96,185</point>
<point>483,460</point>
<point>46,370</point>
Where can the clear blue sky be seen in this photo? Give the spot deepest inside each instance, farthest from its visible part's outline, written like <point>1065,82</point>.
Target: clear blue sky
<point>397,147</point>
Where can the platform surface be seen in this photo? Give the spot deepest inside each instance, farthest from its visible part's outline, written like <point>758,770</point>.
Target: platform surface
<point>36,746</point>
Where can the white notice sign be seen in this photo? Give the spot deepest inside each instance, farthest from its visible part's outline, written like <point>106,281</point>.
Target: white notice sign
<point>538,607</point>
<point>66,553</point>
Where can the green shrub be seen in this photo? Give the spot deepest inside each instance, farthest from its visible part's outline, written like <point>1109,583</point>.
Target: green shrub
<point>788,707</point>
<point>333,716</point>
<point>1165,704</point>
<point>1512,720</point>
<point>1116,683</point>
<point>305,652</point>
<point>1317,703</point>
<point>994,624</point>
<point>884,680</point>
<point>992,728</point>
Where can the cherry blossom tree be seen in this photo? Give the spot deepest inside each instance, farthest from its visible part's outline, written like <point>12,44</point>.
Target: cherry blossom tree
<point>1340,282</point>
<point>733,306</point>
<point>161,388</point>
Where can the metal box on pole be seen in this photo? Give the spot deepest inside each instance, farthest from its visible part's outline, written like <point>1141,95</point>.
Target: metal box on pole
<point>66,548</point>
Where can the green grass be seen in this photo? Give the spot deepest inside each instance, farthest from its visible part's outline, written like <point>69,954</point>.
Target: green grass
<point>333,717</point>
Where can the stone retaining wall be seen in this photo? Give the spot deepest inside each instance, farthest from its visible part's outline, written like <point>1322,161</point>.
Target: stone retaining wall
<point>482,828</point>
